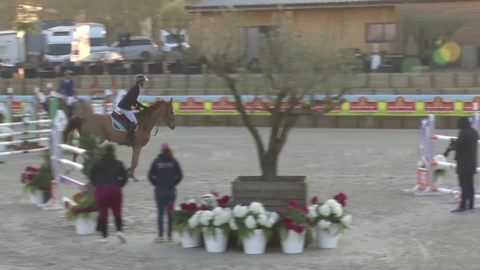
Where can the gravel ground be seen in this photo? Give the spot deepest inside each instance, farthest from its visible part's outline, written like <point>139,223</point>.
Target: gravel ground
<point>392,230</point>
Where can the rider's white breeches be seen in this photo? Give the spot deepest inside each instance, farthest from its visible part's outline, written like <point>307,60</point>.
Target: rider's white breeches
<point>130,115</point>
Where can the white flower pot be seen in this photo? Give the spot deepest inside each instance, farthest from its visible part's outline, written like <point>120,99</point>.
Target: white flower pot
<point>256,243</point>
<point>326,239</point>
<point>190,240</point>
<point>293,242</point>
<point>36,197</point>
<point>86,226</point>
<point>215,243</point>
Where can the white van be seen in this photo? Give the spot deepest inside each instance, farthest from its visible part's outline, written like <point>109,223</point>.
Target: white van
<point>169,43</point>
<point>67,43</point>
<point>12,47</point>
<point>97,35</point>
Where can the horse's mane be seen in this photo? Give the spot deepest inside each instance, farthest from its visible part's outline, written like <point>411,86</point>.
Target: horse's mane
<point>150,109</point>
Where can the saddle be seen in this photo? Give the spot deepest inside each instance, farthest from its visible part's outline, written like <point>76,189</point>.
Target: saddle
<point>120,122</point>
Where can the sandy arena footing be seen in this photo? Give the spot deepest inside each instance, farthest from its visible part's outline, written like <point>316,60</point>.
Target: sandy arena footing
<point>392,230</point>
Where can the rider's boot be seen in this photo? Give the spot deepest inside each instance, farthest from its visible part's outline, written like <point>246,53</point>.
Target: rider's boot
<point>131,134</point>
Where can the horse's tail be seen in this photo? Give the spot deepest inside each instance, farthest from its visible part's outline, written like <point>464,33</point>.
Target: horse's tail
<point>73,123</point>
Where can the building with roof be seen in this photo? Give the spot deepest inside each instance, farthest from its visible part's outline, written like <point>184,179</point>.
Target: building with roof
<point>367,25</point>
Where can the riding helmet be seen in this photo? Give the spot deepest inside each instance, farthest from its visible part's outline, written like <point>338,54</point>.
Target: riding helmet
<point>140,78</point>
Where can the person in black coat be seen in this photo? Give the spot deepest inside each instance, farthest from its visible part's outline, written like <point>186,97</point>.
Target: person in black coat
<point>465,148</point>
<point>165,174</point>
<point>108,176</point>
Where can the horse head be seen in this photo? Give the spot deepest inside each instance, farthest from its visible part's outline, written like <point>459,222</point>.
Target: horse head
<point>161,110</point>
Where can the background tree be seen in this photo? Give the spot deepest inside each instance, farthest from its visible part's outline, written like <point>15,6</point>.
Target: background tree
<point>293,70</point>
<point>431,30</point>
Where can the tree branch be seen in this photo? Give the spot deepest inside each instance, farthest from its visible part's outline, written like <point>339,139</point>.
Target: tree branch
<point>239,105</point>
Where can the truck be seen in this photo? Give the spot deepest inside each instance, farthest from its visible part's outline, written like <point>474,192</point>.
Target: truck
<point>12,47</point>
<point>97,35</point>
<point>170,43</point>
<point>67,43</point>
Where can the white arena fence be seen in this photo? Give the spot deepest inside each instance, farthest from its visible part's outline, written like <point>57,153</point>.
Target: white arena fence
<point>426,182</point>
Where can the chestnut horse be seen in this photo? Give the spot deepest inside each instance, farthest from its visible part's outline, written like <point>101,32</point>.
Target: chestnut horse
<point>113,127</point>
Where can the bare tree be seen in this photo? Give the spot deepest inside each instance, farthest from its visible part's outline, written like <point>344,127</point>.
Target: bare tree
<point>431,29</point>
<point>294,69</point>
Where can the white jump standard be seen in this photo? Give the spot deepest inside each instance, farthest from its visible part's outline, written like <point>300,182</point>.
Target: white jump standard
<point>427,182</point>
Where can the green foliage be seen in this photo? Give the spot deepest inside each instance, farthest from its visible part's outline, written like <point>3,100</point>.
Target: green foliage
<point>88,141</point>
<point>210,230</point>
<point>84,205</point>
<point>42,179</point>
<point>180,221</point>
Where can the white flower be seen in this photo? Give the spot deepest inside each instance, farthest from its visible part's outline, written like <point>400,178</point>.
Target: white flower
<point>325,210</point>
<point>337,209</point>
<point>206,217</point>
<point>217,211</point>
<point>262,220</point>
<point>233,224</point>
<point>256,207</point>
<point>250,222</point>
<point>324,224</point>
<point>272,219</point>
<point>331,202</point>
<point>178,208</point>
<point>312,211</point>
<point>209,200</point>
<point>193,221</point>
<point>240,211</point>
<point>192,201</point>
<point>347,220</point>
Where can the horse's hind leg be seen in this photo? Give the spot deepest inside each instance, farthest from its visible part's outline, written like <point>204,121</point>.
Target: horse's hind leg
<point>134,163</point>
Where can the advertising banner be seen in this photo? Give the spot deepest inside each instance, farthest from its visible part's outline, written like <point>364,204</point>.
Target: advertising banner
<point>380,105</point>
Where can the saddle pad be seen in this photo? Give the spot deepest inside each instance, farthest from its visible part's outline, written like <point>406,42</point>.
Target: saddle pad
<point>118,126</point>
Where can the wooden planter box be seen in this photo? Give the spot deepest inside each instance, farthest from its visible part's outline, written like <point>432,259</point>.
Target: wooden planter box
<point>273,195</point>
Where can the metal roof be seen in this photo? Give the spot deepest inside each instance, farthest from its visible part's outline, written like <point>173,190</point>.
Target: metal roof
<point>260,3</point>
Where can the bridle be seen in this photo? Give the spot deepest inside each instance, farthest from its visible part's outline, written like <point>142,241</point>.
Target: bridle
<point>164,118</point>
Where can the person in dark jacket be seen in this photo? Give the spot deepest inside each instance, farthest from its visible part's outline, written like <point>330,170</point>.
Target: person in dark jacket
<point>67,88</point>
<point>465,148</point>
<point>108,176</point>
<point>165,174</point>
<point>129,101</point>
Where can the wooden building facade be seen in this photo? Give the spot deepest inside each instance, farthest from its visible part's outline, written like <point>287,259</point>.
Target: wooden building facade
<point>367,25</point>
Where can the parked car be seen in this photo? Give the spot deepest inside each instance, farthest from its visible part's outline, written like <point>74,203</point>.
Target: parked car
<point>138,48</point>
<point>107,57</point>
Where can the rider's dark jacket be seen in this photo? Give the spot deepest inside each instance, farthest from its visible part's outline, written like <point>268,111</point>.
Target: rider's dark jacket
<point>466,147</point>
<point>130,99</point>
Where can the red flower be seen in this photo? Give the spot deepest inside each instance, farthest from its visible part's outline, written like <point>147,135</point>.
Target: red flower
<point>184,206</point>
<point>75,210</point>
<point>292,203</point>
<point>170,207</point>
<point>214,193</point>
<point>203,207</point>
<point>30,176</point>
<point>314,200</point>
<point>36,170</point>
<point>305,209</point>
<point>223,202</point>
<point>192,207</point>
<point>88,209</point>
<point>30,169</point>
<point>341,198</point>
<point>290,226</point>
<point>66,205</point>
<point>298,228</point>
<point>287,220</point>
<point>22,181</point>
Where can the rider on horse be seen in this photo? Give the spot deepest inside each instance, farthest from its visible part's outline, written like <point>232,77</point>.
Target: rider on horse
<point>129,101</point>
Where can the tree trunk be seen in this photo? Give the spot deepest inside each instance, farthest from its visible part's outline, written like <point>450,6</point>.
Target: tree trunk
<point>269,167</point>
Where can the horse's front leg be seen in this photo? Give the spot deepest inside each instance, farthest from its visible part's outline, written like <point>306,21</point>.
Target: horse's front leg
<point>134,163</point>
